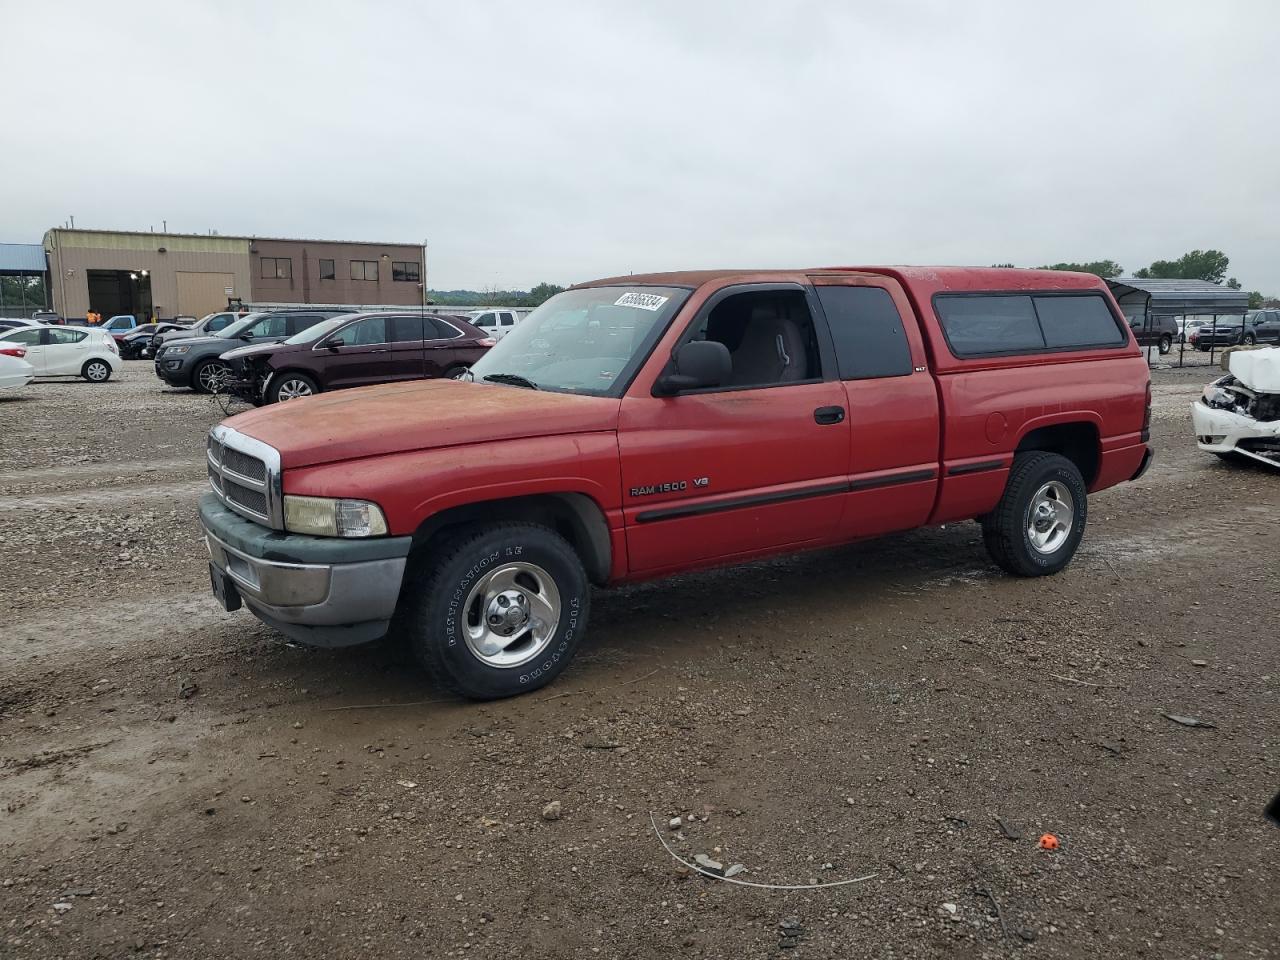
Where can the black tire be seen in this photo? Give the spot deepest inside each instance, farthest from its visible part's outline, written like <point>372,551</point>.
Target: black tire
<point>287,386</point>
<point>1006,530</point>
<point>1250,339</point>
<point>437,604</point>
<point>1166,344</point>
<point>205,374</point>
<point>96,371</point>
<point>453,373</point>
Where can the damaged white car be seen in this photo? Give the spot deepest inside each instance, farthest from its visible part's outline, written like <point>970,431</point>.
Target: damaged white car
<point>1239,414</point>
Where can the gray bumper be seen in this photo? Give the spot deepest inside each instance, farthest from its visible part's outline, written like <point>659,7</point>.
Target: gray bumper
<point>321,591</point>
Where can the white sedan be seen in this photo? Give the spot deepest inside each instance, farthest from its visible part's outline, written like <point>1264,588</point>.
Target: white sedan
<point>67,351</point>
<point>14,369</point>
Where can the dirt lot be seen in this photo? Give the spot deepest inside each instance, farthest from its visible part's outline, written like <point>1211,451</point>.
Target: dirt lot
<point>175,782</point>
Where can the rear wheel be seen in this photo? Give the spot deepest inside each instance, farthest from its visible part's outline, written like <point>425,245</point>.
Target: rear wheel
<point>209,376</point>
<point>499,610</point>
<point>1037,526</point>
<point>291,386</point>
<point>96,371</point>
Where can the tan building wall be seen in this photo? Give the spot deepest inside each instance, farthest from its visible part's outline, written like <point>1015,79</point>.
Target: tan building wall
<point>73,253</point>
<point>299,261</point>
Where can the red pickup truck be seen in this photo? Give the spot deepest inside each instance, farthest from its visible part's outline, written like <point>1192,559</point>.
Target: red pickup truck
<point>640,426</point>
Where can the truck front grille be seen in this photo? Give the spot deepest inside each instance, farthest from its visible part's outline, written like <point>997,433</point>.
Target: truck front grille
<point>245,474</point>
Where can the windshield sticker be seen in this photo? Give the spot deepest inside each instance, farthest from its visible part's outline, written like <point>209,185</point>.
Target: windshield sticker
<point>641,301</point>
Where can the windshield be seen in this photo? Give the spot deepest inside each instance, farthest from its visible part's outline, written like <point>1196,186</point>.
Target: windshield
<point>233,330</point>
<point>316,331</point>
<point>584,341</point>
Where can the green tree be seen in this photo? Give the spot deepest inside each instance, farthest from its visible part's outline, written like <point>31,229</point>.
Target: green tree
<point>541,293</point>
<point>1256,299</point>
<point>1208,265</point>
<point>1100,268</point>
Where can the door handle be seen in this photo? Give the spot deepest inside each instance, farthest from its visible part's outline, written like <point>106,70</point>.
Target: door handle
<point>380,351</point>
<point>828,415</point>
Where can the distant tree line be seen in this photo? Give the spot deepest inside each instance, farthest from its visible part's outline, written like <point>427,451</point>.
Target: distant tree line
<point>496,298</point>
<point>1208,265</point>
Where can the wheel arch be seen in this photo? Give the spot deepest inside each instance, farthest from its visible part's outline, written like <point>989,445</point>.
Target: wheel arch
<point>575,516</point>
<point>1079,440</point>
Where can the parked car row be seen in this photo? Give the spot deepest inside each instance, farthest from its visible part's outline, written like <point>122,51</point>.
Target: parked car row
<point>283,355</point>
<point>1260,326</point>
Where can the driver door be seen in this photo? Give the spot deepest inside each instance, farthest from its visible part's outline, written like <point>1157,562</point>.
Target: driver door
<point>754,465</point>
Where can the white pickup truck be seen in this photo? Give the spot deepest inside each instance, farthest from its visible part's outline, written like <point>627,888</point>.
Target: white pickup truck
<point>496,323</point>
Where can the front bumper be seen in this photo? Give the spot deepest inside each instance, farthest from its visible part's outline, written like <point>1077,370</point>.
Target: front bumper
<point>1221,431</point>
<point>320,591</point>
<point>173,370</point>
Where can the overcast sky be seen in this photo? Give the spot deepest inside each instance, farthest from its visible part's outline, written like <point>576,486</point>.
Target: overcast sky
<point>563,141</point>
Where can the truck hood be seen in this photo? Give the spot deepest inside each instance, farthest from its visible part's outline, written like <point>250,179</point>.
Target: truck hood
<point>422,415</point>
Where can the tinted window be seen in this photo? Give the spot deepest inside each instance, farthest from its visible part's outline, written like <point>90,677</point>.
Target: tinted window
<point>443,330</point>
<point>301,321</point>
<point>406,329</point>
<point>976,326</point>
<point>1077,322</point>
<point>67,336</point>
<point>218,322</point>
<point>866,327</point>
<point>365,332</point>
<point>485,320</point>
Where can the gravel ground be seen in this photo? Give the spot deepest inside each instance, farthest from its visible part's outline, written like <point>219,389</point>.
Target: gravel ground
<point>175,782</point>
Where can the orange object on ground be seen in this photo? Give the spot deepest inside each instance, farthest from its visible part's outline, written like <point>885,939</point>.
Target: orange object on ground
<point>1048,842</point>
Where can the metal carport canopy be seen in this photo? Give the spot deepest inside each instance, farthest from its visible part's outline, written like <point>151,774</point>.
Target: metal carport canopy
<point>1178,298</point>
<point>22,258</point>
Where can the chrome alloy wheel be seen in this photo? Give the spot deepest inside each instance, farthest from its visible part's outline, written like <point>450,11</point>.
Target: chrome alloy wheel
<point>1050,517</point>
<point>292,389</point>
<point>511,614</point>
<point>211,375</point>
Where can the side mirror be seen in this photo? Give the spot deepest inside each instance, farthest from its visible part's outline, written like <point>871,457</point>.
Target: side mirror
<point>696,364</point>
<point>246,335</point>
<point>335,344</point>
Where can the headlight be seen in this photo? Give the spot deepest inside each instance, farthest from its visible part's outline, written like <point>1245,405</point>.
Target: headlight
<point>325,517</point>
<point>179,348</point>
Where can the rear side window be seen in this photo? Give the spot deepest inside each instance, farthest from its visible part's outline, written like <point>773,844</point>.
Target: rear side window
<point>67,336</point>
<point>978,326</point>
<point>1077,322</point>
<point>302,321</point>
<point>867,329</point>
<point>443,329</point>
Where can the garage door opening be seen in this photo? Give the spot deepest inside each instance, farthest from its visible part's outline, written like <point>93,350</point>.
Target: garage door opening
<point>120,291</point>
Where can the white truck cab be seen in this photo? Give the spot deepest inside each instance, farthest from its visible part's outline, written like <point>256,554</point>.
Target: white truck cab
<point>496,323</point>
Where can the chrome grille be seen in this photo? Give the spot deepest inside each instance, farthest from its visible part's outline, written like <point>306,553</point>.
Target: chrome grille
<point>245,474</point>
<point>233,461</point>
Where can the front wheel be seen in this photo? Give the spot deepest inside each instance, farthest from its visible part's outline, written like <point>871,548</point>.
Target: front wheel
<point>1037,526</point>
<point>291,386</point>
<point>499,611</point>
<point>455,373</point>
<point>209,376</point>
<point>1250,339</point>
<point>96,371</point>
<point>1166,344</point>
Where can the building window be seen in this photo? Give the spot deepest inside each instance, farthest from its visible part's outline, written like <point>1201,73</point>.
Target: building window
<point>277,268</point>
<point>364,270</point>
<point>326,270</point>
<point>405,270</point>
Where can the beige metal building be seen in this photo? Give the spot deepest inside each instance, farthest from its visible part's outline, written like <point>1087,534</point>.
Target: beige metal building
<point>170,274</point>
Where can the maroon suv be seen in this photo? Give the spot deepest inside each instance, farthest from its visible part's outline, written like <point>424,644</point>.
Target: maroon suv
<point>355,350</point>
